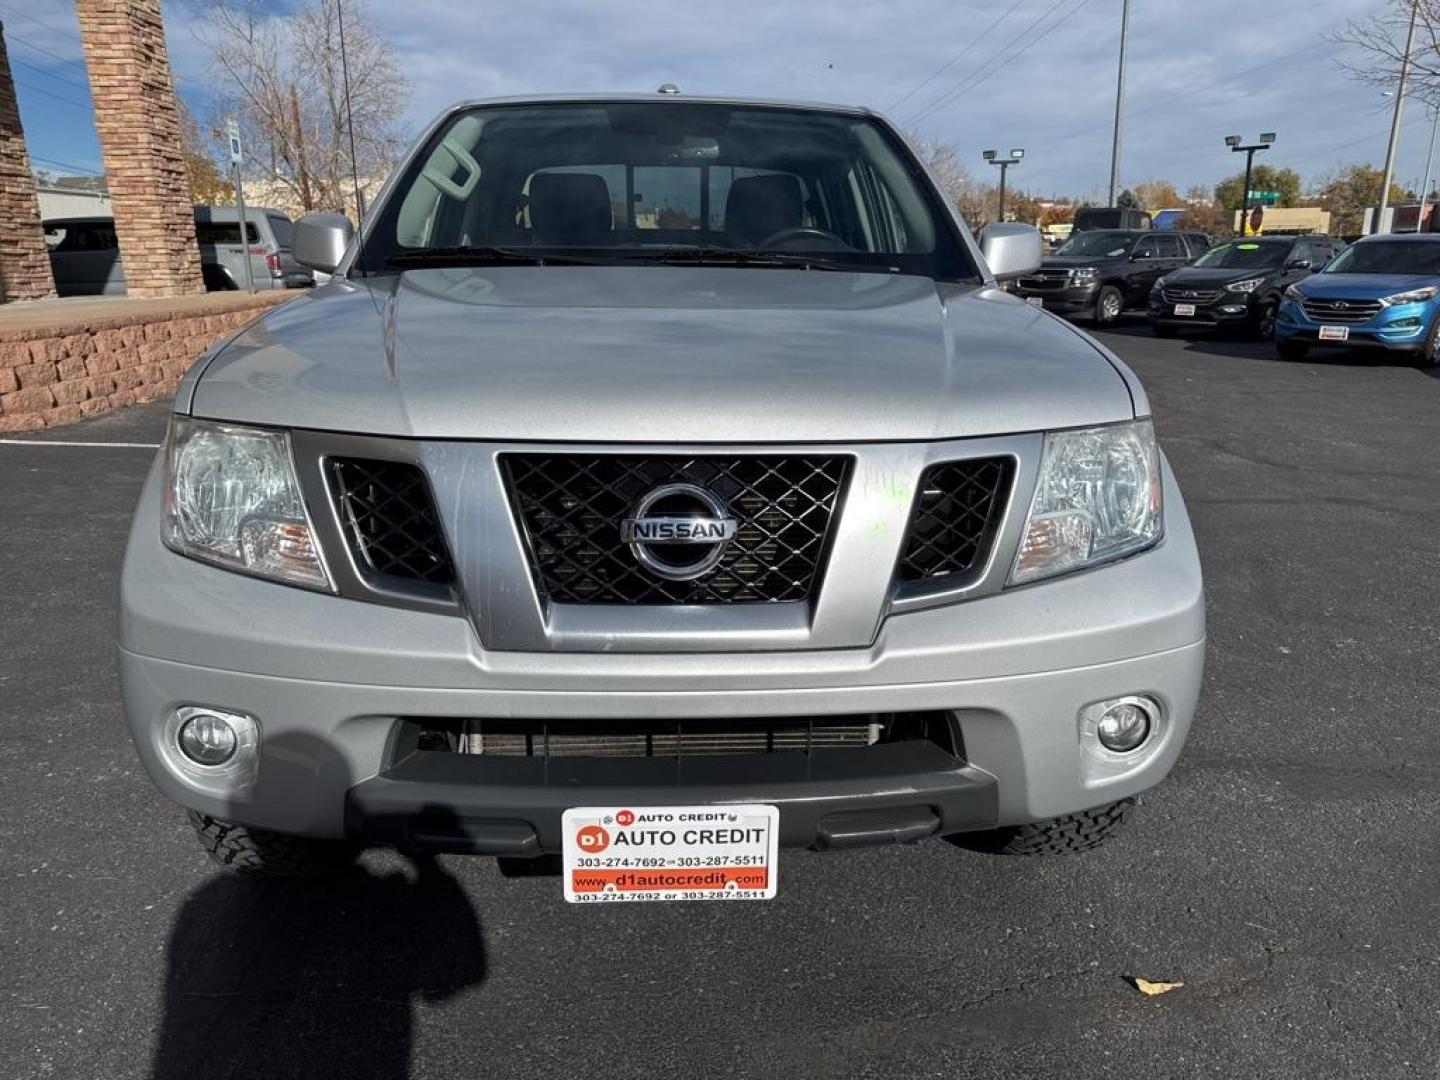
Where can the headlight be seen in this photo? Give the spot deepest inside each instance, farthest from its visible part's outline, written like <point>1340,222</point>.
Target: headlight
<point>1097,498</point>
<point>1250,284</point>
<point>1293,293</point>
<point>1082,275</point>
<point>231,498</point>
<point>1414,296</point>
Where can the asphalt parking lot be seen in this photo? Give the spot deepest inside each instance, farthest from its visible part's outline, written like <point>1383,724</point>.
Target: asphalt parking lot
<point>1287,872</point>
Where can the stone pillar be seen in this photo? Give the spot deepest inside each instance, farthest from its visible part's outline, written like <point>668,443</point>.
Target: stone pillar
<point>139,133</point>
<point>24,263</point>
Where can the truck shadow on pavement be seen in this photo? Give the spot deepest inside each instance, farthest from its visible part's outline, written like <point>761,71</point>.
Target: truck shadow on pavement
<point>271,978</point>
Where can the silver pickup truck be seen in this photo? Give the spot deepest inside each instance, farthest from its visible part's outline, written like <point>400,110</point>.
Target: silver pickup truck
<point>653,462</point>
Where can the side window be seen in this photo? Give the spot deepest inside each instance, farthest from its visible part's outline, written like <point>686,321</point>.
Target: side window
<point>1300,251</point>
<point>1146,248</point>
<point>1169,247</point>
<point>224,232</point>
<point>1198,244</point>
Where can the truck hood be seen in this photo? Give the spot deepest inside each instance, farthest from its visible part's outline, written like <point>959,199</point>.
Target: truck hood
<point>661,354</point>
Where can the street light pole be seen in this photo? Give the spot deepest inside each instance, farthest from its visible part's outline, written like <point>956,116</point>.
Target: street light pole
<point>1394,143</point>
<point>1119,102</point>
<point>1234,142</point>
<point>1004,163</point>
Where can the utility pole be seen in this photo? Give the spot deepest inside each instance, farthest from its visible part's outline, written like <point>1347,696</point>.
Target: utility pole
<point>1395,120</point>
<point>1119,102</point>
<point>1234,142</point>
<point>1004,163</point>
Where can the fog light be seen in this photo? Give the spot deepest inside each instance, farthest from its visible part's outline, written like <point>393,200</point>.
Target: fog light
<point>212,750</point>
<point>1116,729</point>
<point>1232,309</point>
<point>1123,727</point>
<point>206,739</point>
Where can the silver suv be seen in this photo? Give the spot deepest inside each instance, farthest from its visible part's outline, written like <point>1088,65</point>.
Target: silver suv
<point>660,481</point>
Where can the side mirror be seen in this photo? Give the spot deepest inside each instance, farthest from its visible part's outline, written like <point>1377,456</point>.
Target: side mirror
<point>1298,264</point>
<point>320,241</point>
<point>1010,249</point>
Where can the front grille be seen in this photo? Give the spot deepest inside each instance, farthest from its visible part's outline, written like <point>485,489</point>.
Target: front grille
<point>677,738</point>
<point>1342,311</point>
<point>957,512</point>
<point>571,507</point>
<point>1044,281</point>
<point>1191,296</point>
<point>389,520</point>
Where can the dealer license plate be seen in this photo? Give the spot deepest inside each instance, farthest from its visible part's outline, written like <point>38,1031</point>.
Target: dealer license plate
<point>1184,309</point>
<point>1035,301</point>
<point>1334,333</point>
<point>619,853</point>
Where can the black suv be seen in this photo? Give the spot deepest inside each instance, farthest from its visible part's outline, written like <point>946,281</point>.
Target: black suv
<point>1102,273</point>
<point>1238,284</point>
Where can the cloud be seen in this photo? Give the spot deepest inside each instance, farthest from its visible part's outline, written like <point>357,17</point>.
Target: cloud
<point>1043,79</point>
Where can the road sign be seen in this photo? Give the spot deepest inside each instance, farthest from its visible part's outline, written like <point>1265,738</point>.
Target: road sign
<point>1264,196</point>
<point>232,133</point>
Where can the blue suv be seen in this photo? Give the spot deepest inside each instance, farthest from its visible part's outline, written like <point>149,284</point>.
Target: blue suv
<point>1381,292</point>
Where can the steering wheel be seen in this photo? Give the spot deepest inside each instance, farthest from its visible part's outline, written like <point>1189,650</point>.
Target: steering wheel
<point>800,232</point>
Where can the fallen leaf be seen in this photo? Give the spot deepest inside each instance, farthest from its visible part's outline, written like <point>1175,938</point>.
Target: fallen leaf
<point>1151,989</point>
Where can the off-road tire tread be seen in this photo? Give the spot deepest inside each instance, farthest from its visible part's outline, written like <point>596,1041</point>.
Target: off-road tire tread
<point>1080,831</point>
<point>261,853</point>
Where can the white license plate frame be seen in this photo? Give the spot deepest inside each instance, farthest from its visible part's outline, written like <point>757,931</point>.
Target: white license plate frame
<point>1334,333</point>
<point>1184,309</point>
<point>1035,301</point>
<point>665,853</point>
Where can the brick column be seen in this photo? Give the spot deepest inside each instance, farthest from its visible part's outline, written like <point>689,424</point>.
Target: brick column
<point>139,133</point>
<point>24,264</point>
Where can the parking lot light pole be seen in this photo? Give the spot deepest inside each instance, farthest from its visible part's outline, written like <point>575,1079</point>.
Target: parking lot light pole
<point>1394,143</point>
<point>1429,157</point>
<point>1236,144</point>
<point>994,159</point>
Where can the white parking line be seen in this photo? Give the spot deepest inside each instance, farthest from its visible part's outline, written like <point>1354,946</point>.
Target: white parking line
<point>58,442</point>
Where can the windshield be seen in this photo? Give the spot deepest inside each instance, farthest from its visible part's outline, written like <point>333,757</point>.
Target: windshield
<point>1109,245</point>
<point>1244,255</point>
<point>1388,257</point>
<point>628,182</point>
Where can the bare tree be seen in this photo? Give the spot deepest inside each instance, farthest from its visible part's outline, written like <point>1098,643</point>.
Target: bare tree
<point>1379,41</point>
<point>283,80</point>
<point>977,202</point>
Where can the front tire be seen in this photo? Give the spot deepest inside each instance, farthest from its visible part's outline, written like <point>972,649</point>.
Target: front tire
<point>1109,304</point>
<point>1429,356</point>
<point>1080,831</point>
<point>1265,324</point>
<point>262,853</point>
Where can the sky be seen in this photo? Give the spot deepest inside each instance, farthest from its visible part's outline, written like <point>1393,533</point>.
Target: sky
<point>1037,74</point>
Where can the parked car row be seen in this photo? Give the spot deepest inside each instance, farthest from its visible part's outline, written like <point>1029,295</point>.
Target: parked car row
<point>1301,291</point>
<point>85,254</point>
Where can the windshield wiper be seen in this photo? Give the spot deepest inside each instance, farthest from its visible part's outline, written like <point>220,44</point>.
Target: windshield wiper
<point>711,256</point>
<point>467,255</point>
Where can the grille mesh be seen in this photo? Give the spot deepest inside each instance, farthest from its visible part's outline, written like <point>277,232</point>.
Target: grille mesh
<point>390,521</point>
<point>571,507</point>
<point>957,511</point>
<point>670,739</point>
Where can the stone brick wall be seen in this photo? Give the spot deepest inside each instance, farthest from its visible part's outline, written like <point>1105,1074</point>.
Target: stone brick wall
<point>139,131</point>
<point>58,374</point>
<point>24,264</point>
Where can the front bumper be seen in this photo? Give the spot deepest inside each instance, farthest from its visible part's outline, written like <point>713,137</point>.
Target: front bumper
<point>1228,311</point>
<point>1398,329</point>
<point>1065,301</point>
<point>329,681</point>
